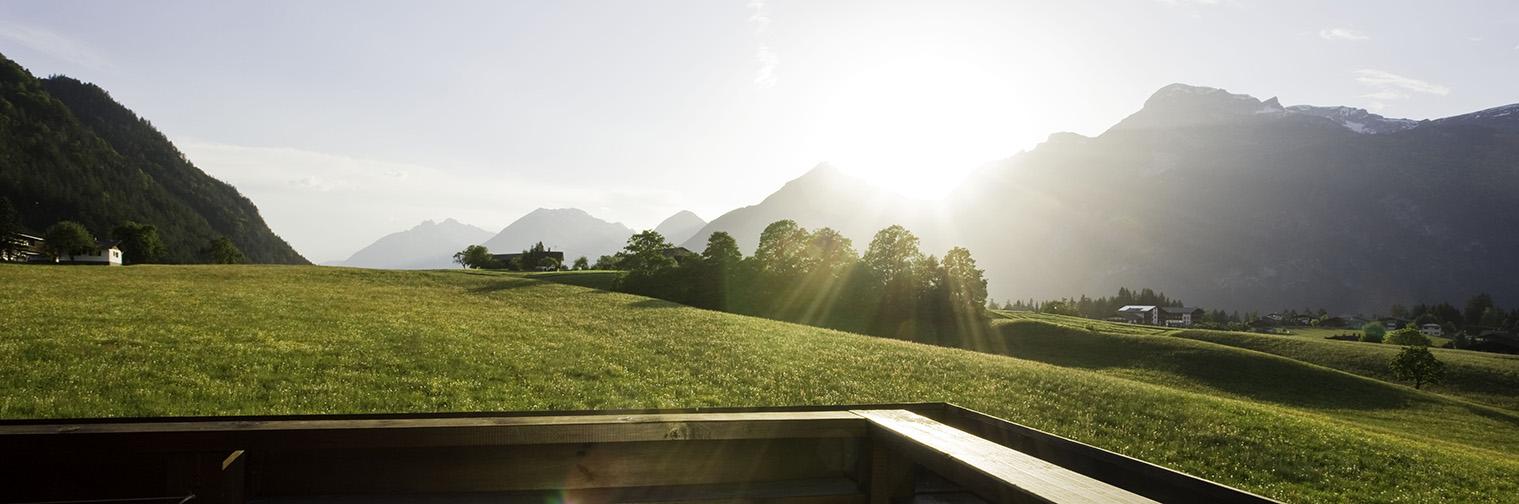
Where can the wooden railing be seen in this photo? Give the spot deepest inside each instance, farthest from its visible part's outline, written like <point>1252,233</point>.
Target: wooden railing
<point>880,453</point>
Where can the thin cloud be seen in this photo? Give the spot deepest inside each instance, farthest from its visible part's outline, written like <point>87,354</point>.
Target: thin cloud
<point>1342,34</point>
<point>764,77</point>
<point>759,17</point>
<point>766,58</point>
<point>1386,82</point>
<point>53,44</point>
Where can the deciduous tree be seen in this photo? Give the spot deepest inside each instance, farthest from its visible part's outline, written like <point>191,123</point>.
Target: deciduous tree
<point>223,251</point>
<point>1418,365</point>
<point>139,243</point>
<point>67,239</point>
<point>474,257</point>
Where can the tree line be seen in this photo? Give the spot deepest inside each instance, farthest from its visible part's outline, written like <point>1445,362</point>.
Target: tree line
<point>1085,306</point>
<point>817,277</point>
<point>139,243</point>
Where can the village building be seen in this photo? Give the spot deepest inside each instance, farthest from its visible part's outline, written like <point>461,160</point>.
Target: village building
<point>1174,316</point>
<point>23,248</point>
<point>1431,330</point>
<point>106,253</point>
<point>505,259</point>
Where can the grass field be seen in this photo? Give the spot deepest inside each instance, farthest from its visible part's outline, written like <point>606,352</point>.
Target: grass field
<point>1228,371</point>
<point>1484,377</point>
<point>205,340</point>
<point>1487,378</point>
<point>1320,333</point>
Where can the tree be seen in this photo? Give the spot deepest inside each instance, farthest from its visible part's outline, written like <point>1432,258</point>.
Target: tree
<point>782,248</point>
<point>548,264</point>
<point>1407,336</point>
<point>474,257</point>
<point>722,250</point>
<point>967,284</point>
<point>1447,313</point>
<point>581,263</point>
<point>139,242</point>
<point>67,238</point>
<point>1418,365</point>
<point>1493,318</point>
<point>827,252</point>
<point>222,251</point>
<point>645,253</point>
<point>1373,332</point>
<point>1475,307</point>
<point>892,253</point>
<point>608,262</point>
<point>532,259</point>
<point>10,224</point>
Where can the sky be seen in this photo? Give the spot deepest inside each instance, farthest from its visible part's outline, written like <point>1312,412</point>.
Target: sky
<point>345,121</point>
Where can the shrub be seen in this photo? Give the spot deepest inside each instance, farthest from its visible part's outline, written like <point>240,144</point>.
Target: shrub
<point>1372,332</point>
<point>1407,336</point>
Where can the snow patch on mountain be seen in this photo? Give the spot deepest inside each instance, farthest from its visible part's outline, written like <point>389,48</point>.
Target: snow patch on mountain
<point>1355,119</point>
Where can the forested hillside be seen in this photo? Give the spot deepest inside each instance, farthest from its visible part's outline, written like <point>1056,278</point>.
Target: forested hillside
<point>70,152</point>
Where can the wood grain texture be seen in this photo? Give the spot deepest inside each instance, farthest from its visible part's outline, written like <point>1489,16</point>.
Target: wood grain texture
<point>994,471</point>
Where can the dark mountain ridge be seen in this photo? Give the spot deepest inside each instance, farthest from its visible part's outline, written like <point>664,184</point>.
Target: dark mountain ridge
<point>1239,203</point>
<point>70,152</point>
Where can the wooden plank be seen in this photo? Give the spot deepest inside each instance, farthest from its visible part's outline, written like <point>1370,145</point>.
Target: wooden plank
<point>1150,480</point>
<point>467,431</point>
<point>995,472</point>
<point>809,491</point>
<point>891,475</point>
<point>543,467</point>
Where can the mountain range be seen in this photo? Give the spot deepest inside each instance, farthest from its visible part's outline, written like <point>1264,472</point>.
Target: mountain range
<point>426,246</point>
<point>68,151</point>
<point>570,230</point>
<point>680,227</point>
<point>1221,199</point>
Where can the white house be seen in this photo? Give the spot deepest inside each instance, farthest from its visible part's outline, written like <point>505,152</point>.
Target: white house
<point>1140,314</point>
<point>106,253</point>
<point>1431,330</point>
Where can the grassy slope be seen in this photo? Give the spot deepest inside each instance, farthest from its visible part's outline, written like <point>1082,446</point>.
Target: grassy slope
<point>1320,333</point>
<point>246,340</point>
<point>1234,372</point>
<point>1488,378</point>
<point>1485,377</point>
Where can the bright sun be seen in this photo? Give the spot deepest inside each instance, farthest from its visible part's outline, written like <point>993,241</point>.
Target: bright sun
<point>919,126</point>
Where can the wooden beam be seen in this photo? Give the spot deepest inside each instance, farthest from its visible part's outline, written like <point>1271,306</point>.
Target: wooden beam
<point>810,491</point>
<point>429,432</point>
<point>995,472</point>
<point>1150,480</point>
<point>545,467</point>
<point>891,475</point>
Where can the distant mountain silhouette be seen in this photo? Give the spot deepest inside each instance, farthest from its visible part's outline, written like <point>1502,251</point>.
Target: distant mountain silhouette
<point>680,227</point>
<point>823,197</point>
<point>1221,199</point>
<point>570,230</point>
<point>425,246</point>
<point>68,151</point>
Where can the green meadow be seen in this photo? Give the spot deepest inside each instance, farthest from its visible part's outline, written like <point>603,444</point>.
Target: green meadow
<point>218,340</point>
